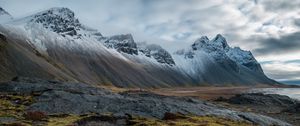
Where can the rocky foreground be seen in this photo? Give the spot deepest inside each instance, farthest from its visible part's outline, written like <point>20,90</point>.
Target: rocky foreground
<point>39,102</point>
<point>273,105</point>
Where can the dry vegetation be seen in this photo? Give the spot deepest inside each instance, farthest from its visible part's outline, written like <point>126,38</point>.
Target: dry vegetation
<point>14,106</point>
<point>188,120</point>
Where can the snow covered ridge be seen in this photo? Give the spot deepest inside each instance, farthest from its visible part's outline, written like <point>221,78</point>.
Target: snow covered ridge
<point>63,22</point>
<point>122,43</point>
<point>57,35</point>
<point>59,20</point>
<point>221,52</point>
<point>157,52</point>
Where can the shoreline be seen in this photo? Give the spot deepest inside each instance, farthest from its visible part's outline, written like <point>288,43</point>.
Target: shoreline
<point>221,96</point>
<point>210,93</point>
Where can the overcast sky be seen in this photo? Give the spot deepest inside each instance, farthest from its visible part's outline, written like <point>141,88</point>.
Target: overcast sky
<point>270,29</point>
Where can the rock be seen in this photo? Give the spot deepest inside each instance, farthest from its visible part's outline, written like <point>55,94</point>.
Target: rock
<point>293,109</point>
<point>122,43</point>
<point>3,41</point>
<point>77,98</point>
<point>7,119</point>
<point>157,52</point>
<point>2,37</point>
<point>59,20</point>
<point>263,99</point>
<point>200,43</point>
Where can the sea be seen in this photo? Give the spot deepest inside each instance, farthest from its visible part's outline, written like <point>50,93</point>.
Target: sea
<point>291,92</point>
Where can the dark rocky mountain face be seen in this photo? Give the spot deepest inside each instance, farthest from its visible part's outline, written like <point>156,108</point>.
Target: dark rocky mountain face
<point>200,43</point>
<point>122,43</point>
<point>157,52</point>
<point>59,20</point>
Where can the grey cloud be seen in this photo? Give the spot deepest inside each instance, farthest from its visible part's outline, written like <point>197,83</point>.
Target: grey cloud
<point>283,74</point>
<point>284,44</point>
<point>293,61</point>
<point>280,5</point>
<point>292,82</point>
<point>297,22</point>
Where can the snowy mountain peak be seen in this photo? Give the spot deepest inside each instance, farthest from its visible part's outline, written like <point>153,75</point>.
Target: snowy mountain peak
<point>4,16</point>
<point>122,43</point>
<point>221,52</point>
<point>200,42</point>
<point>59,20</point>
<point>157,52</point>
<point>220,41</point>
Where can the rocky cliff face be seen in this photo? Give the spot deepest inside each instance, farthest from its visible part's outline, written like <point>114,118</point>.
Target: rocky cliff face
<point>59,20</point>
<point>122,43</point>
<point>157,52</point>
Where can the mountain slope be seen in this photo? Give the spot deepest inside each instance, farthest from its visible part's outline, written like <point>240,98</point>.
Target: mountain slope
<point>53,44</point>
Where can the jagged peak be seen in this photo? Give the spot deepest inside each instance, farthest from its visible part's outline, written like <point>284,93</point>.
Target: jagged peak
<point>157,52</point>
<point>200,42</point>
<point>122,43</point>
<point>60,20</point>
<point>55,14</point>
<point>219,40</point>
<point>203,39</point>
<point>61,11</point>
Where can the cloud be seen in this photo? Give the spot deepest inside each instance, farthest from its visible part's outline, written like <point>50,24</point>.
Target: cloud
<point>280,5</point>
<point>282,71</point>
<point>284,44</point>
<point>297,22</point>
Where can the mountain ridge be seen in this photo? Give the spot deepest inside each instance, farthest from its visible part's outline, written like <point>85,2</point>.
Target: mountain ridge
<point>85,55</point>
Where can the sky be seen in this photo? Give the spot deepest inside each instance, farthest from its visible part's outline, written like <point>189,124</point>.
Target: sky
<point>270,29</point>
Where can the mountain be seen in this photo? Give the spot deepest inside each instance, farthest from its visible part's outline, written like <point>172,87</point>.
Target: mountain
<point>214,61</point>
<point>53,44</point>
<point>4,16</point>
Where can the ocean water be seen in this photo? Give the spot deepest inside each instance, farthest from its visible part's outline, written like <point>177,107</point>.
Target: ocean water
<point>291,92</point>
